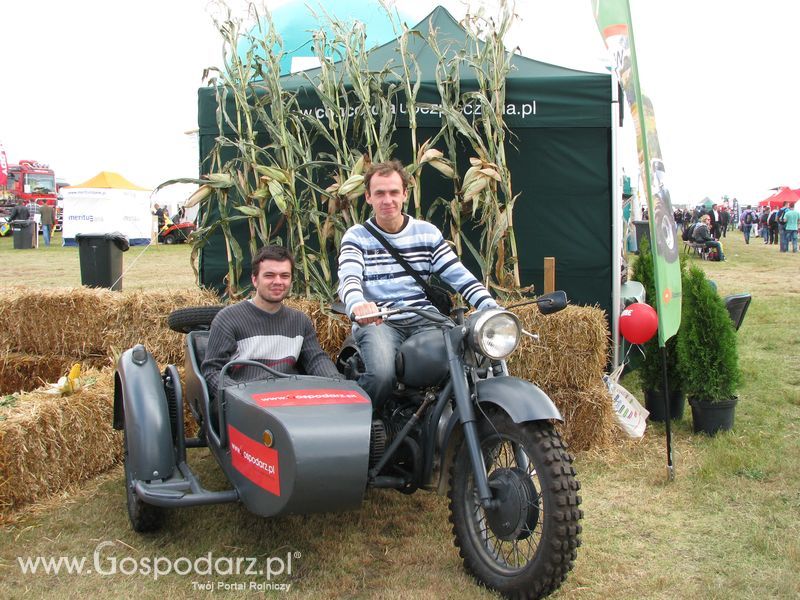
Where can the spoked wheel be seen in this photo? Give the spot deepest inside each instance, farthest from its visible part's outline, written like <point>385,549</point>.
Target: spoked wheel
<point>144,517</point>
<point>525,546</point>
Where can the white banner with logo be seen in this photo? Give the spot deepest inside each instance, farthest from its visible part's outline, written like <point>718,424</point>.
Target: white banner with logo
<point>99,211</point>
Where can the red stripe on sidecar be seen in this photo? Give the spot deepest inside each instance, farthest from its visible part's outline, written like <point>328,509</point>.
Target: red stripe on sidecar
<point>255,461</point>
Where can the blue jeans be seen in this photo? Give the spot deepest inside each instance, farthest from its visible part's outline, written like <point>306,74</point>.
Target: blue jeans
<point>717,246</point>
<point>791,236</point>
<point>378,345</point>
<point>746,232</point>
<point>46,234</point>
<point>784,242</point>
<point>765,233</point>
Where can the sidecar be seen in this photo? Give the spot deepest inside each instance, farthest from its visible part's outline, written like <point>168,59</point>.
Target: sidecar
<point>290,444</point>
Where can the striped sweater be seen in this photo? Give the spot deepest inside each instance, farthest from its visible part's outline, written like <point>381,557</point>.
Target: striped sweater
<point>368,273</point>
<point>282,340</point>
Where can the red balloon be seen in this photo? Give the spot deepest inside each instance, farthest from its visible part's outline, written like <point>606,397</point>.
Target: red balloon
<point>638,323</point>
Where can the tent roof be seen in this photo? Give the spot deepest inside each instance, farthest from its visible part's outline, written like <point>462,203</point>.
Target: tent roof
<point>559,96</point>
<point>451,38</point>
<point>109,179</point>
<point>783,194</point>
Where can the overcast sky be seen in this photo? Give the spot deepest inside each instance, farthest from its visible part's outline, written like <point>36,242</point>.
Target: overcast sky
<point>93,85</point>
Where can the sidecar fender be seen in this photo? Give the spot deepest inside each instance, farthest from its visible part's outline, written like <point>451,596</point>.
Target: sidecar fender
<point>140,407</point>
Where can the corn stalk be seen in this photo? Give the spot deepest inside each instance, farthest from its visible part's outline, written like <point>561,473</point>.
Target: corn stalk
<point>490,188</point>
<point>273,169</point>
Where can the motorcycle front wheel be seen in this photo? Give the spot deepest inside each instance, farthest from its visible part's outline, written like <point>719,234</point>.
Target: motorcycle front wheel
<point>525,545</point>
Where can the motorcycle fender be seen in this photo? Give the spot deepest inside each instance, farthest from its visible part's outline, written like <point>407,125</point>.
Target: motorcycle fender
<point>522,400</point>
<point>140,407</point>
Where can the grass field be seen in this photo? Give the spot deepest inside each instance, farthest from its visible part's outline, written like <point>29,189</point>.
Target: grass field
<point>724,528</point>
<point>143,267</point>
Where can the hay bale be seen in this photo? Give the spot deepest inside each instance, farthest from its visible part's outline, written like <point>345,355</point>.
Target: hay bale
<point>331,329</point>
<point>66,322</point>
<point>87,323</point>
<point>568,362</point>
<point>25,372</point>
<point>49,442</point>
<point>140,317</point>
<point>572,350</point>
<point>588,417</point>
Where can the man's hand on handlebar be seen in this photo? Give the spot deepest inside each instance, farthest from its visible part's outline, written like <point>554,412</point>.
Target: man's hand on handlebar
<point>367,308</point>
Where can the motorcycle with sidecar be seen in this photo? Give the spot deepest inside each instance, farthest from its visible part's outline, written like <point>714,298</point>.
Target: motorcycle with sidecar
<point>457,423</point>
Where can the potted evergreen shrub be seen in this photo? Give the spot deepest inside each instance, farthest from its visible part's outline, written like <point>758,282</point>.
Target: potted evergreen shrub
<point>650,369</point>
<point>708,355</point>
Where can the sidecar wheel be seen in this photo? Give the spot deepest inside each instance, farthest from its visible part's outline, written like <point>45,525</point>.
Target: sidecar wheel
<point>525,547</point>
<point>144,517</point>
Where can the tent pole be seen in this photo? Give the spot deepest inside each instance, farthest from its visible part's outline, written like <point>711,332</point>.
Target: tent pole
<point>616,223</point>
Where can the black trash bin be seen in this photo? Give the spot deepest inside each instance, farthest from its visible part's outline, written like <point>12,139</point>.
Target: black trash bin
<point>642,231</point>
<point>101,259</point>
<point>23,234</point>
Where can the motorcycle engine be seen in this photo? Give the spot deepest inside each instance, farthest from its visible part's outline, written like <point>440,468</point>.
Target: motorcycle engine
<point>384,431</point>
<point>377,442</point>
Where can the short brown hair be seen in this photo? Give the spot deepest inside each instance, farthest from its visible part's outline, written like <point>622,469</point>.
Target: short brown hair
<point>384,169</point>
<point>272,252</point>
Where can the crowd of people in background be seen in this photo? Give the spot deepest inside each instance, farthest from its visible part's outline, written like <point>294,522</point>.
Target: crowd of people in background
<point>708,226</point>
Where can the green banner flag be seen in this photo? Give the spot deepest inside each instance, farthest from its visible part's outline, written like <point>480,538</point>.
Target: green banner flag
<point>614,21</point>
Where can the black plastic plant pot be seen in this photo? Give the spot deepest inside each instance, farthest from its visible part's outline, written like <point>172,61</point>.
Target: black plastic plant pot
<point>654,403</point>
<point>713,417</point>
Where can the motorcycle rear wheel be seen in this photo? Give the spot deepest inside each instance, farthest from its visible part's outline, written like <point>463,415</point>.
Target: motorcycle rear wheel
<point>525,547</point>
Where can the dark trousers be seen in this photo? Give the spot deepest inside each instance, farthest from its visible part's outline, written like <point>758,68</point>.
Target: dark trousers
<point>773,234</point>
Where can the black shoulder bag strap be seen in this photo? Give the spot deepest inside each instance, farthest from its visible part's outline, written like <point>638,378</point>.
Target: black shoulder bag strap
<point>400,260</point>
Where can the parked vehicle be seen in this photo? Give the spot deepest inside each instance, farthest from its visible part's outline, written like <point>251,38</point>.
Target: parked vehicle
<point>30,181</point>
<point>175,233</point>
<point>457,424</point>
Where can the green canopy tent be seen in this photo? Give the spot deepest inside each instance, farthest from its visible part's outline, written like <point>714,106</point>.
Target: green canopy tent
<point>560,154</point>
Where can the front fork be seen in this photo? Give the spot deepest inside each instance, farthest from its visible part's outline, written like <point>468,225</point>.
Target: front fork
<point>466,414</point>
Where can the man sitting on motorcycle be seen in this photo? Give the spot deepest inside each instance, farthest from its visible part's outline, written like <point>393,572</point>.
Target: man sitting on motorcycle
<point>371,279</point>
<point>264,330</point>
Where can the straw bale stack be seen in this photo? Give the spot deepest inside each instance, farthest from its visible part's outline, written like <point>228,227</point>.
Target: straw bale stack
<point>141,318</point>
<point>86,323</point>
<point>66,322</point>
<point>571,352</point>
<point>48,442</point>
<point>568,362</point>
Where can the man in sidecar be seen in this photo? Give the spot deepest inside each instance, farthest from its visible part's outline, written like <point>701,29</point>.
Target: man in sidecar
<point>262,329</point>
<point>372,275</point>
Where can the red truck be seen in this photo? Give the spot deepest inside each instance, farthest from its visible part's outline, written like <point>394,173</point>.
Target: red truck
<point>29,180</point>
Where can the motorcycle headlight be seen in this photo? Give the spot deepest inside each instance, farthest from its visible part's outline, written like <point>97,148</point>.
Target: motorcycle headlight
<point>495,333</point>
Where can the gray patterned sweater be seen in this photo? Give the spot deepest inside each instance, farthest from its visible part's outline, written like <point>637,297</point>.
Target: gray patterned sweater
<point>284,340</point>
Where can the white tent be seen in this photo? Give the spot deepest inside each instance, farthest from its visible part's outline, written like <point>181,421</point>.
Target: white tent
<point>107,203</point>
